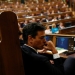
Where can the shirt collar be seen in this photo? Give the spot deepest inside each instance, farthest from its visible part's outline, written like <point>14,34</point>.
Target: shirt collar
<point>31,47</point>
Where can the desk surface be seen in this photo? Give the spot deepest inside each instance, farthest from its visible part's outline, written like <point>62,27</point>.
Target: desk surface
<point>65,56</point>
<point>62,54</point>
<point>67,35</point>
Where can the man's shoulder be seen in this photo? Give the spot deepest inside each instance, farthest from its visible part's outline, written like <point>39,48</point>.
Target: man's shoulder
<point>31,54</point>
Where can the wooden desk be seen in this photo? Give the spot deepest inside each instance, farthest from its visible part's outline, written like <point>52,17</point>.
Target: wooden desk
<point>68,30</point>
<point>63,33</point>
<point>55,35</point>
<point>54,41</point>
<point>66,56</point>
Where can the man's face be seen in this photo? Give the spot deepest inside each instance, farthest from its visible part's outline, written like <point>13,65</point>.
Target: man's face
<point>39,41</point>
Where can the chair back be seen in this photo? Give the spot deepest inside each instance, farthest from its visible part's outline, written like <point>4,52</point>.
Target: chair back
<point>10,53</point>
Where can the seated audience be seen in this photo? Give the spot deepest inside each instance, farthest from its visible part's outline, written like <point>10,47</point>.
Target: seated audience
<point>67,10</point>
<point>57,6</point>
<point>59,17</point>
<point>55,18</point>
<point>38,20</point>
<point>52,12</point>
<point>42,14</point>
<point>48,31</point>
<point>67,16</point>
<point>20,28</point>
<point>48,12</point>
<point>33,20</point>
<point>50,7</point>
<point>49,19</point>
<point>21,38</point>
<point>25,23</point>
<point>61,25</point>
<point>22,24</point>
<point>37,9</point>
<point>43,20</point>
<point>59,11</point>
<point>64,5</point>
<point>69,23</point>
<point>54,29</point>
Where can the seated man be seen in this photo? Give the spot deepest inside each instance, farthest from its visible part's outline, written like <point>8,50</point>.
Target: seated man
<point>35,63</point>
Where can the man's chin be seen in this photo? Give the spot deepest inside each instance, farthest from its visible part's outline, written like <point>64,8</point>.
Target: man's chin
<point>41,48</point>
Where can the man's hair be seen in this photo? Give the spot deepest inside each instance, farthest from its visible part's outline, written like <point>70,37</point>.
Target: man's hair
<point>32,29</point>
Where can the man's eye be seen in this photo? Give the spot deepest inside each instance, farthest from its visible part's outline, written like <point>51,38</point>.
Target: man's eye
<point>42,37</point>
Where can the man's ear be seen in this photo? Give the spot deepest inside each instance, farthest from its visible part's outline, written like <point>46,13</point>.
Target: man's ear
<point>30,38</point>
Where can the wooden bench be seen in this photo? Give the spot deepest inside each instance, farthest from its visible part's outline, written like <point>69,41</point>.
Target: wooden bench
<point>40,17</point>
<point>72,20</point>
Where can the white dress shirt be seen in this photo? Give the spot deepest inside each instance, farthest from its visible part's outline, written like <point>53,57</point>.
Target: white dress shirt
<point>55,56</point>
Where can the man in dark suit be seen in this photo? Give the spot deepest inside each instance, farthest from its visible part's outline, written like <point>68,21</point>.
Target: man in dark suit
<point>35,63</point>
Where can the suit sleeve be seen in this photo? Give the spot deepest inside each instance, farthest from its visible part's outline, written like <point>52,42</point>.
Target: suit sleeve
<point>53,69</point>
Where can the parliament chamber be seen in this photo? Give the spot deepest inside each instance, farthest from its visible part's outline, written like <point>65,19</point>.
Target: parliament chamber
<point>15,14</point>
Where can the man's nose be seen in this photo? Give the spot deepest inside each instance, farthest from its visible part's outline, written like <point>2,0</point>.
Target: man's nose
<point>45,42</point>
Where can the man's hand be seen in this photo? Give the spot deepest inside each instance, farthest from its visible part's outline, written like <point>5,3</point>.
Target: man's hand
<point>50,46</point>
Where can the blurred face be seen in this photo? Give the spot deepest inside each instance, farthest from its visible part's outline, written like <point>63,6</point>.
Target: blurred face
<point>59,16</point>
<point>39,41</point>
<point>61,24</point>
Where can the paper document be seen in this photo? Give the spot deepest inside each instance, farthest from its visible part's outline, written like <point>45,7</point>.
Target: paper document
<point>60,50</point>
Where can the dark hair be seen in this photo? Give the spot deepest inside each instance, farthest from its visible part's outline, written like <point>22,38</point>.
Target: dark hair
<point>32,29</point>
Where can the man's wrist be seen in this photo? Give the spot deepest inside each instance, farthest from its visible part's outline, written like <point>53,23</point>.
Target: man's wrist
<point>54,51</point>
<point>55,56</point>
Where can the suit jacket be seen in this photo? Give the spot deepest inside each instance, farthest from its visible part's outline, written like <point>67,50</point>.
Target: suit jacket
<point>37,64</point>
